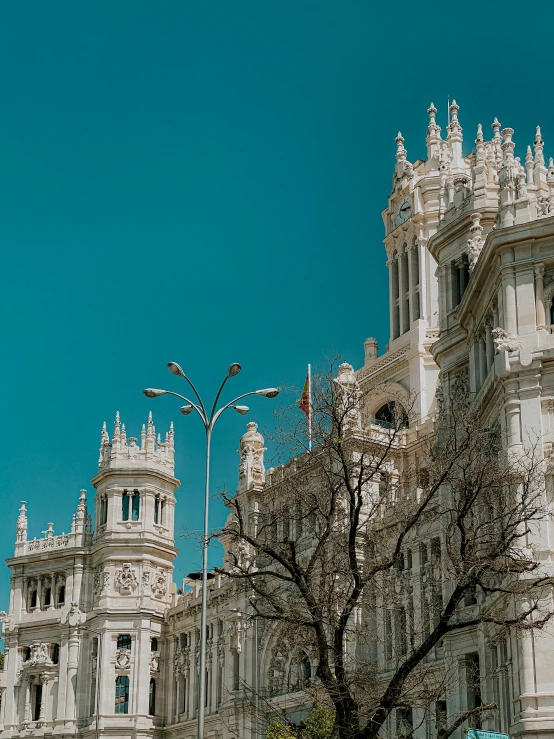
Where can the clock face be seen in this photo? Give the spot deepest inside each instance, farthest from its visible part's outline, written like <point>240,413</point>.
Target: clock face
<point>404,211</point>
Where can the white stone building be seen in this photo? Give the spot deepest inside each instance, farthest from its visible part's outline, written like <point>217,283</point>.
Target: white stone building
<point>96,630</point>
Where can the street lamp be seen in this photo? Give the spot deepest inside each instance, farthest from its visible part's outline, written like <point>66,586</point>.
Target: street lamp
<point>209,420</point>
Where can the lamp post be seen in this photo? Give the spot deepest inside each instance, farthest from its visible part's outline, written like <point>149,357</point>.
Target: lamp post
<point>208,420</point>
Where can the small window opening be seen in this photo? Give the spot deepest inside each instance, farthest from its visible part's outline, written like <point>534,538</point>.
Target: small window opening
<point>124,641</point>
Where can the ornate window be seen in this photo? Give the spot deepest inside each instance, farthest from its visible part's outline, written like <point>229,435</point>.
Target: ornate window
<point>130,505</point>
<point>122,694</point>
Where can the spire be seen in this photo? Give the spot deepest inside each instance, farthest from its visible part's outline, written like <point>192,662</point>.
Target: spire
<point>497,142</point>
<point>82,507</point>
<point>400,150</point>
<point>150,434</point>
<point>508,147</point>
<point>529,165</point>
<point>123,435</point>
<point>433,134</point>
<point>21,526</point>
<point>116,431</point>
<point>480,144</point>
<point>454,137</point>
<point>539,148</point>
<point>143,437</point>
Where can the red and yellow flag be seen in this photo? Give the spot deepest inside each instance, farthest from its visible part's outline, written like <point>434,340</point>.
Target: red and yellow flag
<point>305,399</point>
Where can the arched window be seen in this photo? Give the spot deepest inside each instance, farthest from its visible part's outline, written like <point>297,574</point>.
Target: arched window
<point>122,694</point>
<point>55,654</point>
<point>152,698</point>
<point>153,644</point>
<point>61,595</point>
<point>47,597</point>
<point>124,641</point>
<point>33,602</point>
<point>391,416</point>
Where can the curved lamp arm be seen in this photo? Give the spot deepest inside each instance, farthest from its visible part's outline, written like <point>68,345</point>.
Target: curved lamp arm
<point>176,369</point>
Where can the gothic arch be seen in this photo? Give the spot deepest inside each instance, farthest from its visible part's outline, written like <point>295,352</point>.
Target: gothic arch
<point>286,663</point>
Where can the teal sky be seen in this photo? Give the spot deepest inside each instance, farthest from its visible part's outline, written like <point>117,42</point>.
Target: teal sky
<point>202,182</point>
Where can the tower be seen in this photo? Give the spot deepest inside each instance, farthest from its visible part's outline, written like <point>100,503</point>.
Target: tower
<point>132,557</point>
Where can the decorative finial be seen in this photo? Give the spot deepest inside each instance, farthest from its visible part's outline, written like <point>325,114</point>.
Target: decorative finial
<point>149,417</point>
<point>496,127</point>
<point>479,133</point>
<point>400,150</point>
<point>508,146</point>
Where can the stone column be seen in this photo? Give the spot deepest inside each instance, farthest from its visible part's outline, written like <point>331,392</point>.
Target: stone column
<point>510,309</point>
<point>43,700</point>
<point>178,689</point>
<point>39,592</point>
<point>72,664</point>
<point>393,298</point>
<point>77,580</point>
<point>539,297</point>
<point>25,595</point>
<point>483,369</point>
<point>27,704</point>
<point>411,284</point>
<point>405,294</point>
<point>400,269</point>
<point>489,343</point>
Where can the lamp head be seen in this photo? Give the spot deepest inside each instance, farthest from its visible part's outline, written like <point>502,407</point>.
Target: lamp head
<point>152,392</point>
<point>268,392</point>
<point>185,409</point>
<point>234,369</point>
<point>175,369</point>
<point>242,409</point>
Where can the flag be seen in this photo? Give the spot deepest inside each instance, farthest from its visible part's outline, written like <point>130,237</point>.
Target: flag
<point>305,399</point>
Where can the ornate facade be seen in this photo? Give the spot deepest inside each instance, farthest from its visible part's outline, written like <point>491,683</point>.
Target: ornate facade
<point>97,633</point>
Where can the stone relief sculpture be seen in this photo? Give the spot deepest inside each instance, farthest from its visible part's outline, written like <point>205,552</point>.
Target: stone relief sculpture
<point>125,580</point>
<point>159,583</point>
<point>123,659</point>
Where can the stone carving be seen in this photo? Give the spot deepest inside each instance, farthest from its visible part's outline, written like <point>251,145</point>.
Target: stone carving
<point>503,342</point>
<point>159,583</point>
<point>97,584</point>
<point>38,655</point>
<point>475,244</point>
<point>106,582</point>
<point>125,580</point>
<point>21,528</point>
<point>123,659</point>
<point>348,397</point>
<point>251,468</point>
<point>154,661</point>
<point>145,580</point>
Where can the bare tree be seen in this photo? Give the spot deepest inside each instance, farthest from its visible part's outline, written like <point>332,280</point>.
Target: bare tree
<point>326,548</point>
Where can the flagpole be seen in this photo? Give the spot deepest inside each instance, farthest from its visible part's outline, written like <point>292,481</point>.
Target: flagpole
<point>310,407</point>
